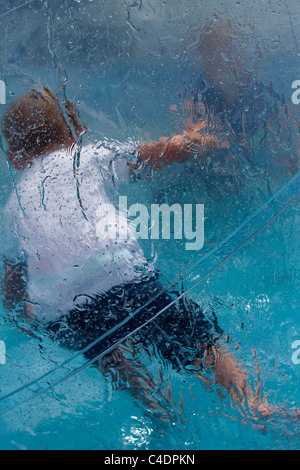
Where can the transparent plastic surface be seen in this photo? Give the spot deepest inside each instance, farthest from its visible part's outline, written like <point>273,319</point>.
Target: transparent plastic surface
<point>254,295</point>
<point>139,71</point>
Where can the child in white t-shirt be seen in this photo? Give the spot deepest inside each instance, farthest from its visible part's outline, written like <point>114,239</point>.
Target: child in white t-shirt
<point>60,277</point>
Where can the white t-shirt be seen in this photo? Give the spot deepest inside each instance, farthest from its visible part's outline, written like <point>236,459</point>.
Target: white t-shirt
<point>51,221</point>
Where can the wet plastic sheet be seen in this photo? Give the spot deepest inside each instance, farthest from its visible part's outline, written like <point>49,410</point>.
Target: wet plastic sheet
<point>140,318</point>
<point>128,66</point>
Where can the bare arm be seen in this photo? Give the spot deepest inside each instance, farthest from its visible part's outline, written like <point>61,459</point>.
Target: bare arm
<point>178,147</point>
<point>14,286</point>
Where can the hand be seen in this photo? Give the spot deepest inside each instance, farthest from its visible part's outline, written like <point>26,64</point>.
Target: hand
<point>209,141</point>
<point>178,147</point>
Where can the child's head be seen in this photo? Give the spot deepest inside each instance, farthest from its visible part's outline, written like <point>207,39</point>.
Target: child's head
<point>220,48</point>
<point>35,124</point>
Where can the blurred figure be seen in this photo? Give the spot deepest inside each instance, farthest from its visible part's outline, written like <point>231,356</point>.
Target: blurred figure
<point>252,114</point>
<point>221,59</point>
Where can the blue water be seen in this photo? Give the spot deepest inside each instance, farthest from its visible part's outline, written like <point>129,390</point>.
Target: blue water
<point>247,271</point>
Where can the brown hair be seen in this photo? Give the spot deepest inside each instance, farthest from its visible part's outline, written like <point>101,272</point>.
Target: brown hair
<point>35,122</point>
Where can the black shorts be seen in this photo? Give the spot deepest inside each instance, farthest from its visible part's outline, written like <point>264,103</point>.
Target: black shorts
<point>176,332</point>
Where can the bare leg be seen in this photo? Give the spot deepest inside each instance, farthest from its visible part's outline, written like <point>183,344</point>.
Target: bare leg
<point>129,373</point>
<point>233,378</point>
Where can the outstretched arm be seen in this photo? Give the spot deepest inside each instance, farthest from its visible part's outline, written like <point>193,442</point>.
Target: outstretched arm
<point>178,148</point>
